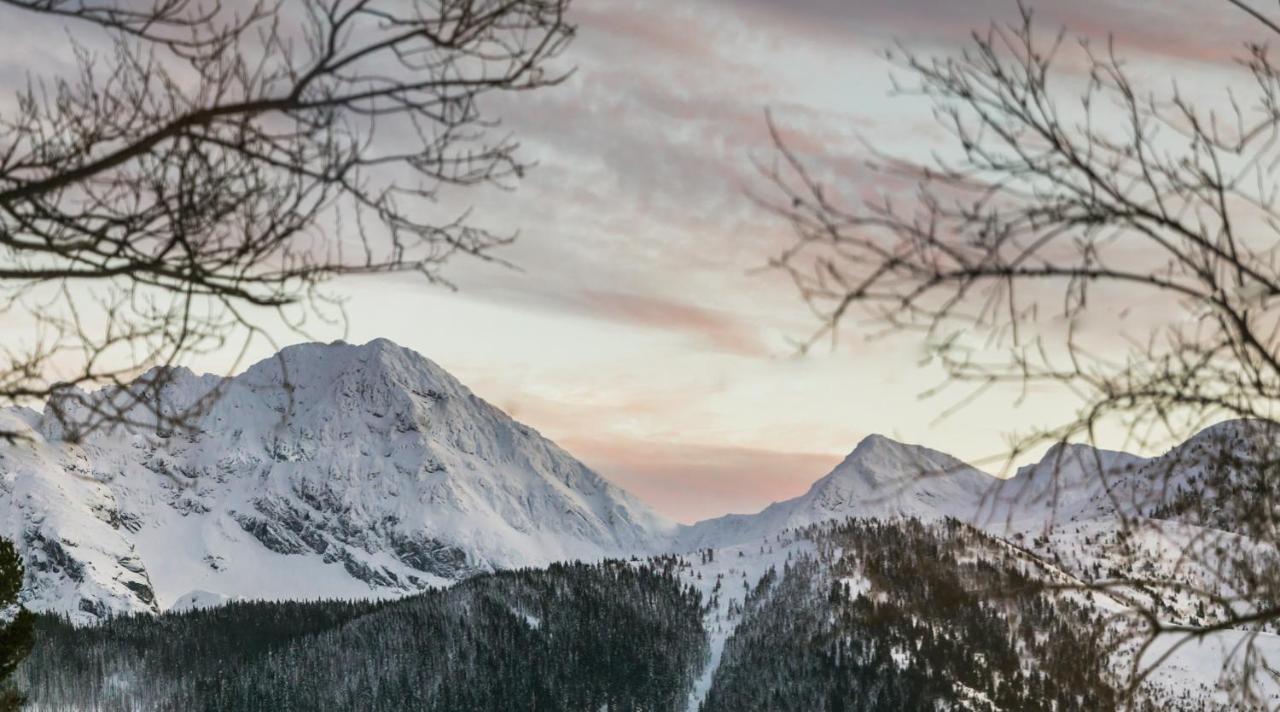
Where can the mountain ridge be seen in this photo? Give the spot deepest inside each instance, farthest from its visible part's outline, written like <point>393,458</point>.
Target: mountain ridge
<point>879,474</point>
<point>339,470</point>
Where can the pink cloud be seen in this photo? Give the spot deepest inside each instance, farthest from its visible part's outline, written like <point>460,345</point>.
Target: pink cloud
<point>719,330</point>
<point>692,482</point>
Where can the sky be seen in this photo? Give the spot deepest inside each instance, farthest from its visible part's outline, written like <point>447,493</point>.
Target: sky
<point>636,328</point>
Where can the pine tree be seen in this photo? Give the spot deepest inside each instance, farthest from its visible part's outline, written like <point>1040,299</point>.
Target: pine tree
<point>15,636</point>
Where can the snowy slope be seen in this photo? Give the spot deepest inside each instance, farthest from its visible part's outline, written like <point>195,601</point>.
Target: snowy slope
<point>356,471</point>
<point>1071,483</point>
<point>1080,515</point>
<point>880,478</point>
<point>327,470</point>
<point>368,471</point>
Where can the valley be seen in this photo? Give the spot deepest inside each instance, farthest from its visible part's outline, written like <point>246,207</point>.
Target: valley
<point>367,506</point>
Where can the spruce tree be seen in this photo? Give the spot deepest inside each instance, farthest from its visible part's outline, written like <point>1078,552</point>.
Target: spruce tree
<point>15,635</point>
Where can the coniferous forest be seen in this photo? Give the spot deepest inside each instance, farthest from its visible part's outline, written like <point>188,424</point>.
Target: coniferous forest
<point>616,636</point>
<point>864,615</point>
<point>927,630</point>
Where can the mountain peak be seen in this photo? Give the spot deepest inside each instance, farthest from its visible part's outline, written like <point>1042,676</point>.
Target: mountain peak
<point>879,461</point>
<point>379,377</point>
<point>880,478</point>
<point>1256,433</point>
<point>336,356</point>
<point>326,470</point>
<point>876,441</point>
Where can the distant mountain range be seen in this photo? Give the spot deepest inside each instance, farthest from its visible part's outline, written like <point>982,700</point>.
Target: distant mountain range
<point>368,471</point>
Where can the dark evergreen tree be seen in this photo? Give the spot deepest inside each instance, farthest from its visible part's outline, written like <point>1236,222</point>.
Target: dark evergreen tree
<point>923,634</point>
<point>15,635</point>
<point>621,635</point>
<point>879,616</point>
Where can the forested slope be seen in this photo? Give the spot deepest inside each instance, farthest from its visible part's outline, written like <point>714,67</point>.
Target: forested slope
<point>863,615</point>
<point>571,637</point>
<point>905,615</point>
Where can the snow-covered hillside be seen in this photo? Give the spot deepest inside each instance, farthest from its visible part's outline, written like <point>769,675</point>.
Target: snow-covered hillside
<point>1081,517</point>
<point>327,470</point>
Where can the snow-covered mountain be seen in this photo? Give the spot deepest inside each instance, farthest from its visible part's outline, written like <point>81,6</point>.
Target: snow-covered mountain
<point>355,471</point>
<point>367,471</point>
<point>1071,483</point>
<point>1079,517</point>
<point>880,478</point>
<point>327,470</point>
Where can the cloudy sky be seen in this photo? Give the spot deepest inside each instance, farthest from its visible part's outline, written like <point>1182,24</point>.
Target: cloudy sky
<point>638,333</point>
<point>637,330</point>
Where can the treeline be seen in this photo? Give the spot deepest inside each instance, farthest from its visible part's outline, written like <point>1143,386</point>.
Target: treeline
<point>906,616</point>
<point>874,616</point>
<point>616,636</point>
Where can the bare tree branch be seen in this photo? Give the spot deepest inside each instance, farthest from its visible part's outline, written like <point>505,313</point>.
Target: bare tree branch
<point>217,164</point>
<point>1052,211</point>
